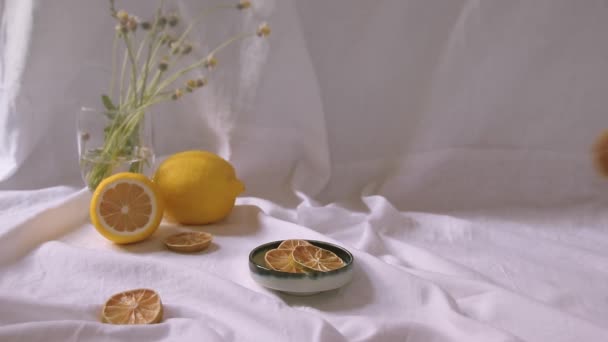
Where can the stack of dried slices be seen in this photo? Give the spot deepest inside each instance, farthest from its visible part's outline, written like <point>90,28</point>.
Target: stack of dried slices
<point>300,256</point>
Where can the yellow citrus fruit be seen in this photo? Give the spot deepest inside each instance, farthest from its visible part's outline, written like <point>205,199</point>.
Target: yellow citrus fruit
<point>126,208</point>
<point>281,260</point>
<point>188,242</point>
<point>141,306</point>
<point>197,187</point>
<point>292,244</point>
<point>316,258</point>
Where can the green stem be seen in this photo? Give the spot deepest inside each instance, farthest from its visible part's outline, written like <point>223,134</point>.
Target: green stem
<point>123,128</point>
<point>122,80</point>
<point>113,77</point>
<point>112,8</point>
<point>189,28</point>
<point>146,69</point>
<point>142,93</point>
<point>200,17</point>
<point>133,62</point>
<point>154,44</point>
<point>154,83</point>
<point>169,80</point>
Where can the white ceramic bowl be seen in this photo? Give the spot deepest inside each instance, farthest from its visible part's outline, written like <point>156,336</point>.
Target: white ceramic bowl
<point>301,284</point>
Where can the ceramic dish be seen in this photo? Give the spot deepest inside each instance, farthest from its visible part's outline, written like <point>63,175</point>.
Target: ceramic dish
<point>301,284</point>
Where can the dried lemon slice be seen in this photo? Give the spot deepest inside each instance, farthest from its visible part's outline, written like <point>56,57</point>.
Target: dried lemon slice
<point>281,260</point>
<point>141,306</point>
<point>188,242</point>
<point>291,244</point>
<point>316,258</point>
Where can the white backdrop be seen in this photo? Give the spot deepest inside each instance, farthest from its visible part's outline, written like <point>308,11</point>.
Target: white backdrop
<point>435,104</point>
<point>356,112</point>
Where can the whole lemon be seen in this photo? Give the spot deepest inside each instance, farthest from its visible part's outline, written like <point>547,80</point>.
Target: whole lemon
<point>197,187</point>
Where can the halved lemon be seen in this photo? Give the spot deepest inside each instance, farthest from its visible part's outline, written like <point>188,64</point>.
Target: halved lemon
<point>316,258</point>
<point>126,208</point>
<point>291,244</point>
<point>188,242</point>
<point>141,306</point>
<point>281,260</point>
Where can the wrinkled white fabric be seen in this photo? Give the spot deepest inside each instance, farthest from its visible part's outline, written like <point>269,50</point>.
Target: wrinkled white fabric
<point>445,143</point>
<point>517,276</point>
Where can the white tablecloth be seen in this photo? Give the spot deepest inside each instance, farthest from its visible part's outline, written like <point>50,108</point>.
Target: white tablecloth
<point>445,143</point>
<point>512,276</point>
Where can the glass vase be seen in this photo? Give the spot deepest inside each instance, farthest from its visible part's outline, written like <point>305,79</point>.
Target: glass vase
<point>109,143</point>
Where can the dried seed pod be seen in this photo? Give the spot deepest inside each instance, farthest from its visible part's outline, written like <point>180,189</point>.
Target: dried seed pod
<point>263,30</point>
<point>186,49</point>
<point>122,16</point>
<point>243,4</point>
<point>191,84</point>
<point>132,24</point>
<point>201,82</point>
<point>173,20</point>
<point>210,62</point>
<point>178,93</point>
<point>163,64</point>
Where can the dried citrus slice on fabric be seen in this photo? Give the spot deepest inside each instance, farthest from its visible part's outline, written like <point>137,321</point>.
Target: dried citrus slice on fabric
<point>316,258</point>
<point>281,260</point>
<point>291,244</point>
<point>188,242</point>
<point>141,306</point>
<point>126,208</point>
